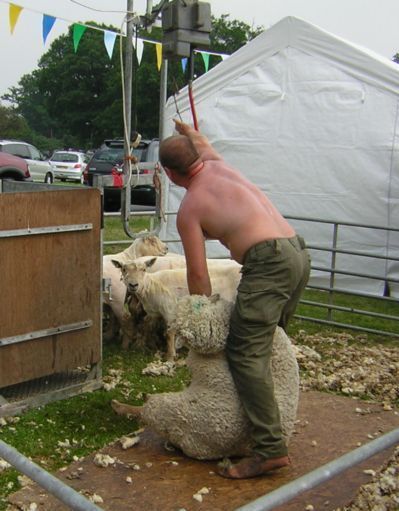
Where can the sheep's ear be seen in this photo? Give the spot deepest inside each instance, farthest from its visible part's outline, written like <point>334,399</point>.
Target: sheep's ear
<point>150,262</point>
<point>116,263</point>
<point>214,298</point>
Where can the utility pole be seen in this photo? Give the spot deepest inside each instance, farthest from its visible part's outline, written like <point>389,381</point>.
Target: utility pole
<point>127,85</point>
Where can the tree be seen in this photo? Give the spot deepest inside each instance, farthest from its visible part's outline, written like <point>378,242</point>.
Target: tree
<point>76,97</point>
<point>227,36</point>
<point>73,96</point>
<point>13,125</point>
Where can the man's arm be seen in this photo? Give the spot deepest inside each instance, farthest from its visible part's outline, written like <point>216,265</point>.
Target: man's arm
<point>201,143</point>
<point>194,250</point>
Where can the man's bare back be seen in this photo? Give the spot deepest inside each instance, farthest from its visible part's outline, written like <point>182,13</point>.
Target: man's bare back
<point>231,209</point>
<point>219,204</point>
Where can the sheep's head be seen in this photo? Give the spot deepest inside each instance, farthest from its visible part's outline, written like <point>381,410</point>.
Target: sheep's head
<point>202,323</point>
<point>133,273</point>
<point>150,245</point>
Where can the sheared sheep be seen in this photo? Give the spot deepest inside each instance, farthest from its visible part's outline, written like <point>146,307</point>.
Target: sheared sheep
<point>206,419</point>
<point>114,301</point>
<point>158,292</point>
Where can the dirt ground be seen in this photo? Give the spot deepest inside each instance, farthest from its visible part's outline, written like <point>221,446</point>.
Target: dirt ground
<point>148,476</point>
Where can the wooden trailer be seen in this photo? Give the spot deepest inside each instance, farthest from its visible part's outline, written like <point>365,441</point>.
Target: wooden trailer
<point>50,293</point>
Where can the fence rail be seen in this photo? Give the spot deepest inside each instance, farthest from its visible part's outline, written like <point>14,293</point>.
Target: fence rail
<point>333,289</point>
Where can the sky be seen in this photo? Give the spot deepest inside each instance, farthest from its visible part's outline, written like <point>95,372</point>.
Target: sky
<point>372,24</point>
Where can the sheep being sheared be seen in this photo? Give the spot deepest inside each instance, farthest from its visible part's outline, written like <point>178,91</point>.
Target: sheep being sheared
<point>206,419</point>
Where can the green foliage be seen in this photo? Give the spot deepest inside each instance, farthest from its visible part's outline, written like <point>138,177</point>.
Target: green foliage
<point>12,124</point>
<point>76,97</point>
<point>228,36</point>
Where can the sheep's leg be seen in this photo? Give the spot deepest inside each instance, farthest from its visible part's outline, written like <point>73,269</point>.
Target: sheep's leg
<point>124,409</point>
<point>170,345</point>
<point>111,326</point>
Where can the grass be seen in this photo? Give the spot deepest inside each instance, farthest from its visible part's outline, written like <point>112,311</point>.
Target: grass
<point>55,434</point>
<point>113,231</point>
<point>350,302</point>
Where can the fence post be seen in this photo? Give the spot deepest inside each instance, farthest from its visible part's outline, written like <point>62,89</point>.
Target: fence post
<point>332,274</point>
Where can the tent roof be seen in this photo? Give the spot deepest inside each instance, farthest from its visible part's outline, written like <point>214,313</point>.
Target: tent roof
<point>359,62</point>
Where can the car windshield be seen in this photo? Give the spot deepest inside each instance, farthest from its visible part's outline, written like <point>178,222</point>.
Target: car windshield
<point>65,157</point>
<point>113,155</point>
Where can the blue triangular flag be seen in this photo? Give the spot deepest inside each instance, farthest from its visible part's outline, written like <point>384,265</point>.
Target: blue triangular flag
<point>48,22</point>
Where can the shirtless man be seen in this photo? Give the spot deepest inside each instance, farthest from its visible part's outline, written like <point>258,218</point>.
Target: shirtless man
<point>221,204</point>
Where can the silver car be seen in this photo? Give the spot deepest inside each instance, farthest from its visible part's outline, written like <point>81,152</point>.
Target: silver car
<point>40,169</point>
<point>69,165</point>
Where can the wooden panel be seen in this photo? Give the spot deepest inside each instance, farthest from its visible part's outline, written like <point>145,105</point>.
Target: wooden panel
<point>49,280</point>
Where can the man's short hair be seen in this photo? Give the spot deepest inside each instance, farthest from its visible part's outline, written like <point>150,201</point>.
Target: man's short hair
<point>178,153</point>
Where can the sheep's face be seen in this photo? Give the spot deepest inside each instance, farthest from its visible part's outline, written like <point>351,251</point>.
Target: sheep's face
<point>151,245</point>
<point>133,274</point>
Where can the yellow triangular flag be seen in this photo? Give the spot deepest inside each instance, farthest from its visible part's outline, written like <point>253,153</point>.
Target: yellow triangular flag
<point>158,47</point>
<point>14,12</point>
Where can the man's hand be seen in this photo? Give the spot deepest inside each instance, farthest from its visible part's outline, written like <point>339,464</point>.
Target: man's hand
<point>201,143</point>
<point>182,128</point>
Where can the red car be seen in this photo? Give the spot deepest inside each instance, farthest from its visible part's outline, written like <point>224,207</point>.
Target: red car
<point>13,167</point>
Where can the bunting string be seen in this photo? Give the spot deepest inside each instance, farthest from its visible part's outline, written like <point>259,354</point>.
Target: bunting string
<point>110,36</point>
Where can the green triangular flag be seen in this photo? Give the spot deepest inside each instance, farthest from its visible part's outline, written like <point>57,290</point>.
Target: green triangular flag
<point>205,57</point>
<point>78,31</point>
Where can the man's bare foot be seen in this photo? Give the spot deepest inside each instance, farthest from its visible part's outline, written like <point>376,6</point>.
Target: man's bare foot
<point>124,409</point>
<point>252,466</point>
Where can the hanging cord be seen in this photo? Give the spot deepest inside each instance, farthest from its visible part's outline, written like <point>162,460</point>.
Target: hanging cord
<point>175,93</point>
<point>190,90</point>
<point>129,158</point>
<point>158,188</point>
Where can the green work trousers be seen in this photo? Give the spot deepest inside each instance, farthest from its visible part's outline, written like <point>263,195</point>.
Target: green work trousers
<point>274,274</point>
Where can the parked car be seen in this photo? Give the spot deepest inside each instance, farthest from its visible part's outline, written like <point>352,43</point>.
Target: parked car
<point>40,169</point>
<point>107,163</point>
<point>13,167</point>
<point>69,165</point>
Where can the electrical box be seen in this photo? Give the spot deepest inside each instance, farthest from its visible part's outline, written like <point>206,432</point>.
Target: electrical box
<point>186,25</point>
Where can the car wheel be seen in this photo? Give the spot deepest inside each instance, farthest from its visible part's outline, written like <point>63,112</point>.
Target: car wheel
<point>48,179</point>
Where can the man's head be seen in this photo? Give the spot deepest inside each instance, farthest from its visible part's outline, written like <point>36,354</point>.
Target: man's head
<point>178,153</point>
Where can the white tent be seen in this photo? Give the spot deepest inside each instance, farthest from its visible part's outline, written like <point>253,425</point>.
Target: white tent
<point>312,120</point>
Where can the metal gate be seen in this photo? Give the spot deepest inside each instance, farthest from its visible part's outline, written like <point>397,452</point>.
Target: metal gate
<point>50,293</point>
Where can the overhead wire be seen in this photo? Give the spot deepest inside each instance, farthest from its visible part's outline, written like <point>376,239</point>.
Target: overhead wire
<point>99,10</point>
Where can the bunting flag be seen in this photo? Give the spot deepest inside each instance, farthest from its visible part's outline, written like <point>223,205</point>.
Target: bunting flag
<point>78,31</point>
<point>139,50</point>
<point>13,12</point>
<point>158,47</point>
<point>109,38</point>
<point>109,41</point>
<point>48,22</point>
<point>205,58</point>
